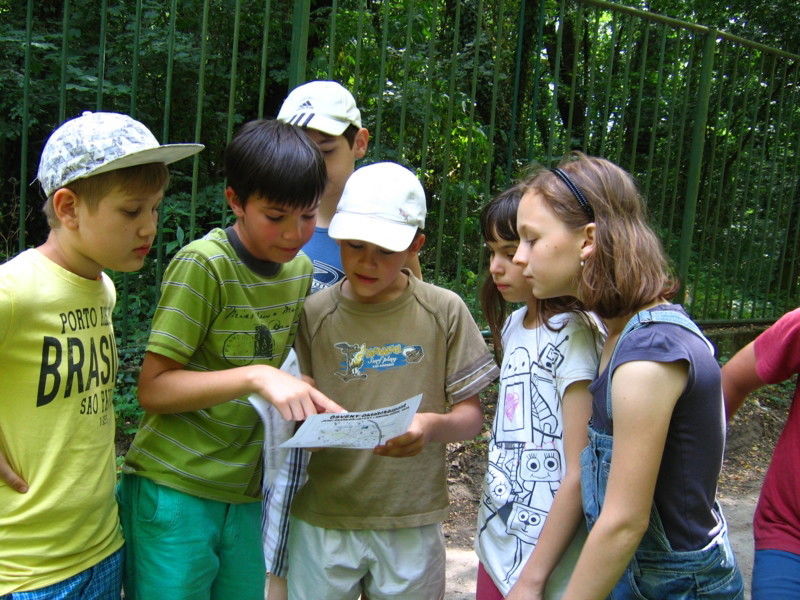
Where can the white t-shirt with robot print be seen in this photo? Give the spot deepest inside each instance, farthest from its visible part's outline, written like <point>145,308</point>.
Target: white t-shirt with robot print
<point>526,450</point>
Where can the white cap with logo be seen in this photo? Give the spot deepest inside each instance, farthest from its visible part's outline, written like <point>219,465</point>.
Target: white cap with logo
<point>383,204</point>
<point>322,105</point>
<point>99,142</point>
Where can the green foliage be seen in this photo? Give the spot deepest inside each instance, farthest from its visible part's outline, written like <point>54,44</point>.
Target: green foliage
<point>467,93</point>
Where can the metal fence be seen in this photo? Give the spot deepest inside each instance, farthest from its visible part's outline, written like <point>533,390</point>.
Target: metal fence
<point>465,92</point>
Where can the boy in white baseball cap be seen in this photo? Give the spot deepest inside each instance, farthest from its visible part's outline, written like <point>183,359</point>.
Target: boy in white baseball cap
<point>104,176</point>
<point>328,114</point>
<point>375,338</point>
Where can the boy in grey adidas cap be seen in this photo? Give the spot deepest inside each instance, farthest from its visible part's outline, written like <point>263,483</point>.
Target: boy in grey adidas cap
<point>104,176</point>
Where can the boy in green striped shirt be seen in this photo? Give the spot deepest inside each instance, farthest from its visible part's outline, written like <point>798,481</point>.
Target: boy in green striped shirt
<point>227,317</point>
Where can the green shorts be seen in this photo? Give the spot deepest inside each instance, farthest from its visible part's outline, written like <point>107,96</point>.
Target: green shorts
<point>181,547</point>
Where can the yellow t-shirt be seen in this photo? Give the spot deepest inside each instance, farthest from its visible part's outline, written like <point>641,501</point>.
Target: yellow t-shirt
<point>58,364</point>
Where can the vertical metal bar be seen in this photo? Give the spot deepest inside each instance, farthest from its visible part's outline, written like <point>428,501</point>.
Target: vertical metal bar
<point>198,120</point>
<point>496,62</point>
<point>767,135</point>
<point>134,98</point>
<point>381,75</point>
<point>535,85</point>
<point>695,158</point>
<point>590,95</point>
<point>639,94</point>
<point>360,38</point>
<point>684,104</point>
<point>748,171</point>
<point>512,130</point>
<point>165,136</point>
<point>578,29</point>
<point>137,42</point>
<point>233,80</point>
<point>609,74</point>
<point>622,104</point>
<point>462,222</point>
<point>779,167</point>
<point>332,39</point>
<point>26,120</point>
<point>554,114</point>
<point>297,60</point>
<point>654,123</point>
<point>62,95</point>
<point>727,251</point>
<point>262,73</point>
<point>406,56</point>
<point>706,244</point>
<point>101,54</point>
<point>448,125</point>
<point>429,78</point>
<point>237,14</point>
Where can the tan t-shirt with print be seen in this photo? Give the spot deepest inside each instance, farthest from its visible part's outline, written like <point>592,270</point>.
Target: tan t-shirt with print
<point>370,356</point>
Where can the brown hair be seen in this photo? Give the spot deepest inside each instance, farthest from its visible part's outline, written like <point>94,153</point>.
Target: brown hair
<point>139,179</point>
<point>499,222</point>
<point>628,268</point>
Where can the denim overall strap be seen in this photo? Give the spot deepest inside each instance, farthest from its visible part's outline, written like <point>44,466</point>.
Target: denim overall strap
<point>642,319</point>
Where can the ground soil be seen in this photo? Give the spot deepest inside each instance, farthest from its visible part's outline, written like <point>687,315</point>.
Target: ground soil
<point>751,437</point>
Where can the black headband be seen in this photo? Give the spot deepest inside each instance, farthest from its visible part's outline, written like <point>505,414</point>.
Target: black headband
<point>576,191</point>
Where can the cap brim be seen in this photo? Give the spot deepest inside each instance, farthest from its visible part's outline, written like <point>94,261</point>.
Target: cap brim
<point>317,121</point>
<point>167,154</point>
<point>395,237</point>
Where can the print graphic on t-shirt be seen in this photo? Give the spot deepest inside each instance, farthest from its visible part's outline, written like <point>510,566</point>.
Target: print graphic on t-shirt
<point>358,358</point>
<point>325,275</point>
<point>525,461</point>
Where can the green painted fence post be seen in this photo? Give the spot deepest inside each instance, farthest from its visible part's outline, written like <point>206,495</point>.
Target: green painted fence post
<point>695,158</point>
<point>297,59</point>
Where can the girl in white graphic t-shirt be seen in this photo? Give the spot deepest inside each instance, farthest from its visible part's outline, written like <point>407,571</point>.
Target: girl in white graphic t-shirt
<point>530,522</point>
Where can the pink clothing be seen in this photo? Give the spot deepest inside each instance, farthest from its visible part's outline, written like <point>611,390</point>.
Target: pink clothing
<point>776,524</point>
<point>485,589</point>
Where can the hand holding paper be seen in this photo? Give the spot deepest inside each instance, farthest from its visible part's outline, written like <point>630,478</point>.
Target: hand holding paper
<point>364,430</point>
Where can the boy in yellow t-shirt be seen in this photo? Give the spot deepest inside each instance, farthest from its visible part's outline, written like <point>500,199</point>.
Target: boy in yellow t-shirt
<point>104,176</point>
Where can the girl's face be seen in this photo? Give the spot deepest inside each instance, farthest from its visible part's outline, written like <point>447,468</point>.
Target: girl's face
<point>549,252</point>
<point>507,276</point>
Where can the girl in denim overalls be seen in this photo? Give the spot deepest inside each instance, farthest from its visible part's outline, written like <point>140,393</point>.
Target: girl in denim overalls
<point>656,531</point>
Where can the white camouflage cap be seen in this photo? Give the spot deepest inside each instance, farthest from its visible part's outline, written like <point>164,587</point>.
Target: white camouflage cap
<point>383,204</point>
<point>99,142</point>
<point>326,106</point>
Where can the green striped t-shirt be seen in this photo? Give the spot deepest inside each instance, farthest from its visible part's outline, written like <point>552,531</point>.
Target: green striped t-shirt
<point>215,313</point>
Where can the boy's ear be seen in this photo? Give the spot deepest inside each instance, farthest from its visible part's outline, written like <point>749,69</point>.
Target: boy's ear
<point>418,243</point>
<point>361,142</point>
<point>65,207</point>
<point>233,201</point>
<point>588,241</point>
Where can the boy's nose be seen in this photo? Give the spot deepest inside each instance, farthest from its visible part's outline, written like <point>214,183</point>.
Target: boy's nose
<point>149,227</point>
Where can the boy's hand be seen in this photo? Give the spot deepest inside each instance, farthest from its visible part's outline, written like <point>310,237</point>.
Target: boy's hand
<point>8,475</point>
<point>410,443</point>
<point>294,398</point>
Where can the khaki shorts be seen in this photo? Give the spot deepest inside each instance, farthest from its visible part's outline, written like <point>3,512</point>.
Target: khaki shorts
<point>338,564</point>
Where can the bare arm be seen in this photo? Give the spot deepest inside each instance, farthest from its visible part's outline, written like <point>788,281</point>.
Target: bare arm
<point>739,378</point>
<point>165,386</point>
<point>463,422</point>
<point>566,511</point>
<point>10,476</point>
<point>640,432</point>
